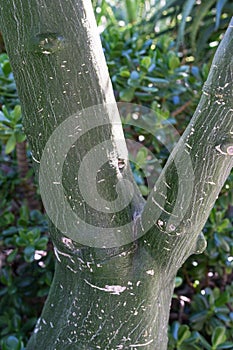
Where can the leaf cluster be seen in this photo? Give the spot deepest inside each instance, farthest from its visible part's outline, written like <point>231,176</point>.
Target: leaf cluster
<point>146,68</point>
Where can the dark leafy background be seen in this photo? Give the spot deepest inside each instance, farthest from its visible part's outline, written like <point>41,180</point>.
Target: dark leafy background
<point>158,56</point>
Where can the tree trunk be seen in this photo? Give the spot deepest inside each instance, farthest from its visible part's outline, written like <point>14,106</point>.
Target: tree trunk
<point>116,263</point>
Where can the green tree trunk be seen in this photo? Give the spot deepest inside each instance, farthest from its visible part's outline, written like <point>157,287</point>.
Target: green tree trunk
<point>114,294</point>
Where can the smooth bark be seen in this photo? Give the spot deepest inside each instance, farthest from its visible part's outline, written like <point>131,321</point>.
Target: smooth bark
<point>114,298</point>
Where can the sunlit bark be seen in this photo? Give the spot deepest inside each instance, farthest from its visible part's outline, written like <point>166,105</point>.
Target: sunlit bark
<point>113,298</point>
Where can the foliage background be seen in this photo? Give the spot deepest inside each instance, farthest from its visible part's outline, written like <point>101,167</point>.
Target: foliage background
<point>158,54</point>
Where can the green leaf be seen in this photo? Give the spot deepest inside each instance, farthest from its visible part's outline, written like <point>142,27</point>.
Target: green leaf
<point>173,61</point>
<point>226,345</point>
<point>3,117</point>
<point>187,8</point>
<point>42,243</point>
<point>222,299</point>
<point>9,218</point>
<point>141,157</point>
<point>143,96</point>
<point>127,95</point>
<point>20,241</point>
<point>224,245</point>
<point>205,343</point>
<point>29,252</point>
<point>24,214</point>
<point>149,89</point>
<point>183,333</point>
<point>125,74</point>
<point>178,281</point>
<point>4,124</point>
<point>11,343</point>
<point>175,329</point>
<point>218,337</point>
<point>219,7</point>
<point>10,231</point>
<point>16,114</point>
<point>11,257</point>
<point>195,336</point>
<point>224,224</point>
<point>10,145</point>
<point>144,190</point>
<point>146,62</point>
<point>205,71</point>
<point>134,75</point>
<point>199,316</point>
<point>6,113</point>
<point>203,10</point>
<point>6,68</point>
<point>20,137</point>
<point>157,81</point>
<point>134,83</point>
<point>33,235</point>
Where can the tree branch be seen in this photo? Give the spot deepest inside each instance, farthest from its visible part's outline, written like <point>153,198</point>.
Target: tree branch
<point>188,187</point>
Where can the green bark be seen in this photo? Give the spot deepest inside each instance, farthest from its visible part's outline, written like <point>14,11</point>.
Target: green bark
<point>115,297</point>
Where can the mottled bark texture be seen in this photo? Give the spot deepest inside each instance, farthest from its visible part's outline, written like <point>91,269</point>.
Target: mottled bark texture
<point>113,298</point>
